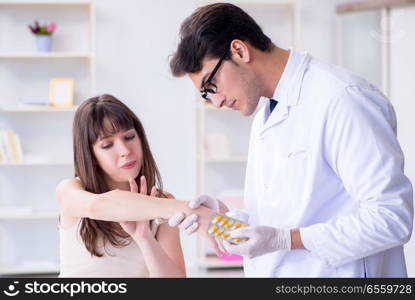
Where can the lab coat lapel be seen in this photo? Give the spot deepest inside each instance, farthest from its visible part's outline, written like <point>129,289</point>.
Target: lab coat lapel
<point>279,114</point>
<point>288,90</point>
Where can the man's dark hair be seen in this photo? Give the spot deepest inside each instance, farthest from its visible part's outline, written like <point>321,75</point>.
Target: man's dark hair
<point>209,31</point>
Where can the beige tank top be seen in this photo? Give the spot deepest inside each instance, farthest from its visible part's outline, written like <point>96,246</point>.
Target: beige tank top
<point>76,261</point>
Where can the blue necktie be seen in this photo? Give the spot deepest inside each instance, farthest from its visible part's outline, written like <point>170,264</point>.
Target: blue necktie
<point>272,104</point>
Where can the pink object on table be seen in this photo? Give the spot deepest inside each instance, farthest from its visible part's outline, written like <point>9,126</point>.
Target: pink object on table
<point>230,257</point>
<point>235,201</point>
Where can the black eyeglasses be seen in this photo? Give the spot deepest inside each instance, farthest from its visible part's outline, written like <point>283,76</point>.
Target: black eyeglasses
<point>208,86</point>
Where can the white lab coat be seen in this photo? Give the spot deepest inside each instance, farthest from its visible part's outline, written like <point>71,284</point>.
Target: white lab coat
<point>327,161</point>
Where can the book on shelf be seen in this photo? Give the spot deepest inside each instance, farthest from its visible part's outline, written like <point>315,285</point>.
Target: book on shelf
<point>10,147</point>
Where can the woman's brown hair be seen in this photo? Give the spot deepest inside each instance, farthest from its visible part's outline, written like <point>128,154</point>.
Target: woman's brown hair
<point>88,126</point>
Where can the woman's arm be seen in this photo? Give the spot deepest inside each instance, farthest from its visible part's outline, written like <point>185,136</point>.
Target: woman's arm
<point>164,256</point>
<point>118,205</point>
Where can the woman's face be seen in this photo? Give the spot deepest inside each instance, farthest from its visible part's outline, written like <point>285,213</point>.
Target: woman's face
<point>120,156</point>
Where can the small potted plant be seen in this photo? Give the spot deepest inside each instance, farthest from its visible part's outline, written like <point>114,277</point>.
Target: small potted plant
<point>43,35</point>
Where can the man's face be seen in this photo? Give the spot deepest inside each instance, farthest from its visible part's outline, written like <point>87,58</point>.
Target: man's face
<point>235,86</point>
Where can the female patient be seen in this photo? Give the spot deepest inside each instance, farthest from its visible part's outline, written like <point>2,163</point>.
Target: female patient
<point>105,211</point>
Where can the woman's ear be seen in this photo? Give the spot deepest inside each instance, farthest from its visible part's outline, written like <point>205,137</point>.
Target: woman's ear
<point>240,51</point>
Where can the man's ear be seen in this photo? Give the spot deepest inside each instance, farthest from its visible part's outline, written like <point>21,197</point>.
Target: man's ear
<point>240,51</point>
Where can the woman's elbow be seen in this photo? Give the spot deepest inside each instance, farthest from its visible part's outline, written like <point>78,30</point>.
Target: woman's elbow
<point>61,195</point>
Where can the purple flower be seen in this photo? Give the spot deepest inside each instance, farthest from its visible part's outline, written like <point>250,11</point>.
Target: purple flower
<point>32,29</point>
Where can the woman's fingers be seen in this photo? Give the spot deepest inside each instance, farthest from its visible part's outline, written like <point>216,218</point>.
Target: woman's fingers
<point>133,185</point>
<point>143,185</point>
<point>153,192</point>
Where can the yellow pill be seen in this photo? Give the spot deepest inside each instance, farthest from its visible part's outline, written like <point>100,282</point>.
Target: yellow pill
<point>237,240</point>
<point>224,220</point>
<point>213,229</point>
<point>236,225</point>
<point>216,219</point>
<point>219,232</point>
<point>227,225</point>
<point>225,235</point>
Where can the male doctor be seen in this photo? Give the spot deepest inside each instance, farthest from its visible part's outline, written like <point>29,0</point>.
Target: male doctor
<point>325,190</point>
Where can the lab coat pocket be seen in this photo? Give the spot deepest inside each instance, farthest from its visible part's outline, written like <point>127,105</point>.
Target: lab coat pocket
<point>296,154</point>
<point>292,175</point>
<point>288,188</point>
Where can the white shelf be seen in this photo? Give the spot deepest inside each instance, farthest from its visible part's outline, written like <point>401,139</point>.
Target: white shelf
<point>10,215</point>
<point>45,2</point>
<point>37,164</point>
<point>212,262</point>
<point>19,270</point>
<point>36,108</point>
<point>233,159</point>
<point>30,55</point>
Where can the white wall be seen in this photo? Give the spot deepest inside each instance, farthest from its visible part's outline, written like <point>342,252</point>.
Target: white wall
<point>134,39</point>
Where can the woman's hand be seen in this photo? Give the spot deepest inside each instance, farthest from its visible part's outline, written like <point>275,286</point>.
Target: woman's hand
<point>139,230</point>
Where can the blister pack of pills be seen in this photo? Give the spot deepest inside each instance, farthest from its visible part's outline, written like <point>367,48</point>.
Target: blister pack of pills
<point>220,226</point>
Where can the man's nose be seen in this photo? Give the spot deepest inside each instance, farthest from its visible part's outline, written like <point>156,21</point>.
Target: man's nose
<point>217,99</point>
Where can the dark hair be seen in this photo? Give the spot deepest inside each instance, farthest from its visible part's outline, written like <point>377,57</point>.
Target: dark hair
<point>100,116</point>
<point>209,31</point>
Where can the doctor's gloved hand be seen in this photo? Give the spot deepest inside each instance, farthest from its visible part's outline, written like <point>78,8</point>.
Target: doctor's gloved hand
<point>189,224</point>
<point>258,240</point>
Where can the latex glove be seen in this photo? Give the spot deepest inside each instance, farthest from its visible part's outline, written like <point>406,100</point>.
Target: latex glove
<point>260,240</point>
<point>189,224</point>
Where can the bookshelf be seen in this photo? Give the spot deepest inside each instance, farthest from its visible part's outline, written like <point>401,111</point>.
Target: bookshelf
<point>221,170</point>
<point>44,268</point>
<point>28,208</point>
<point>10,215</point>
<point>36,108</point>
<point>30,55</point>
<point>38,164</point>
